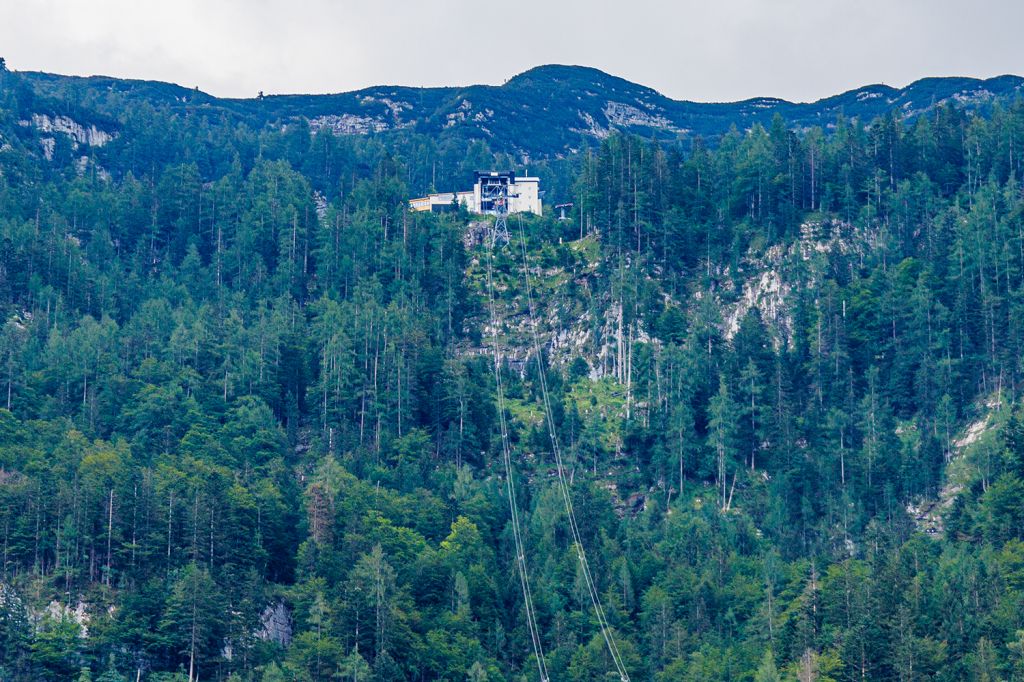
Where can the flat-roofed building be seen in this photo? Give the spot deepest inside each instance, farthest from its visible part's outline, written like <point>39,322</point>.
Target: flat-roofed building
<point>523,195</point>
<point>442,202</point>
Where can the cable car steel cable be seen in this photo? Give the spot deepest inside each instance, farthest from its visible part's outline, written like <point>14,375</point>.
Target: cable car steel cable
<point>595,597</point>
<point>524,579</point>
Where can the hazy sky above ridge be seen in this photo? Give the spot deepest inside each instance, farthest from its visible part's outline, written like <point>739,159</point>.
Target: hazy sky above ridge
<point>720,50</point>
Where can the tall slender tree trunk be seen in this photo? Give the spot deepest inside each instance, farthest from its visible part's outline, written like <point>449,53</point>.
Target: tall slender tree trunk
<point>110,532</point>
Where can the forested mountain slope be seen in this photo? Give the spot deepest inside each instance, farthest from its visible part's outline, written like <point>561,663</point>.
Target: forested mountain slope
<point>249,425</point>
<point>544,112</point>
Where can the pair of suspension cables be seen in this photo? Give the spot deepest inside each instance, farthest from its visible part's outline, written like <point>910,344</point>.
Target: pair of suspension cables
<point>563,484</point>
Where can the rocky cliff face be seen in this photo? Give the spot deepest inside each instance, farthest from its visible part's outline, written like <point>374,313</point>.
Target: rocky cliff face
<point>88,135</point>
<point>590,326</point>
<point>276,624</point>
<point>48,126</point>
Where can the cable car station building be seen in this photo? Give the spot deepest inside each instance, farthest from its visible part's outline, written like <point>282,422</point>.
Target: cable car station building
<point>524,195</point>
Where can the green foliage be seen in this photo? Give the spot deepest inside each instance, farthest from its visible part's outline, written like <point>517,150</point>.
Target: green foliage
<point>249,427</point>
<point>57,647</point>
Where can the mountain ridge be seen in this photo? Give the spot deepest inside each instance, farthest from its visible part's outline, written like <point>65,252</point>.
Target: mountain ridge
<point>546,111</point>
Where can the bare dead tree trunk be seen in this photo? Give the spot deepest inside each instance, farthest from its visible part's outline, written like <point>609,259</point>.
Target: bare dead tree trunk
<point>110,532</point>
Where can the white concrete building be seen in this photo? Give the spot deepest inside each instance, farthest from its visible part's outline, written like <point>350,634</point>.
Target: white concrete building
<point>442,201</point>
<point>524,195</point>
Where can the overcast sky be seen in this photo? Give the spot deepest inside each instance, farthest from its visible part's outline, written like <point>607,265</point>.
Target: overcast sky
<point>713,50</point>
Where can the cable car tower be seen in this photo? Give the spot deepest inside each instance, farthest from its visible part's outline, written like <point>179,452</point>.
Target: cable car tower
<point>495,193</point>
<point>500,230</point>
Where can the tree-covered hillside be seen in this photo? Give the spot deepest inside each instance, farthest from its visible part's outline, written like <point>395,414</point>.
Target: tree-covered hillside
<point>546,112</point>
<point>250,425</point>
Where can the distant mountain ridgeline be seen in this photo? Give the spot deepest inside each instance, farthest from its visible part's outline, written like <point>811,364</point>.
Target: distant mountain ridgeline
<point>548,111</point>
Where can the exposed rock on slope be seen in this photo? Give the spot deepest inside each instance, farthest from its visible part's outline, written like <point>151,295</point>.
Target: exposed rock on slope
<point>88,135</point>
<point>546,111</point>
<point>767,281</point>
<point>928,513</point>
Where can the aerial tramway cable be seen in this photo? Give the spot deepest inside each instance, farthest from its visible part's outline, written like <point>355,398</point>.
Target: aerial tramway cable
<point>563,485</point>
<point>595,597</point>
<point>524,578</point>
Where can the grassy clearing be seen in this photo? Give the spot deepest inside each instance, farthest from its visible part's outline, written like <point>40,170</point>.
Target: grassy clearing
<point>602,402</point>
<point>589,248</point>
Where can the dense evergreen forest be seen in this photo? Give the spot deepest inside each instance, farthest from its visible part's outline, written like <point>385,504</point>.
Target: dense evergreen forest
<point>249,427</point>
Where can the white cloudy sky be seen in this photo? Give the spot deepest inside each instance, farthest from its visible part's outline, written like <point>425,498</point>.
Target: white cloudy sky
<point>712,50</point>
